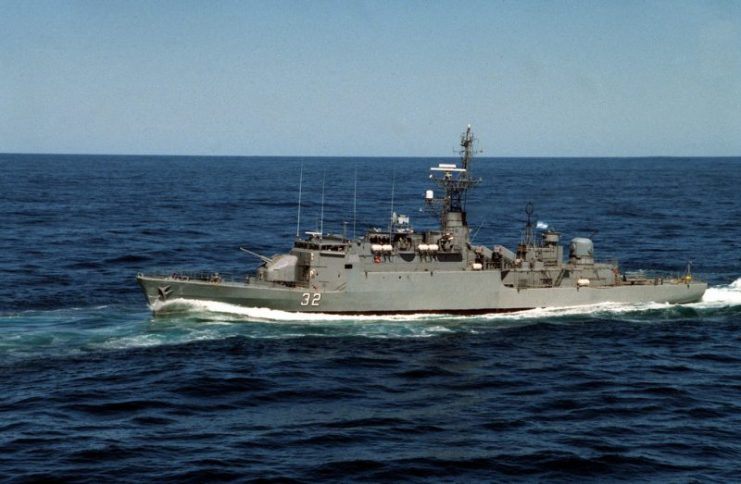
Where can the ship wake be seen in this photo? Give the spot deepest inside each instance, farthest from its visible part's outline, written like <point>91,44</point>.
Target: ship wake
<point>715,298</point>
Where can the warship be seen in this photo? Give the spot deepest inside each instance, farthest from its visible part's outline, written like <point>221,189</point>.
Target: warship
<point>401,270</point>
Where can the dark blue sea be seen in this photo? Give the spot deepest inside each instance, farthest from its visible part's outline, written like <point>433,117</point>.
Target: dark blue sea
<point>94,388</point>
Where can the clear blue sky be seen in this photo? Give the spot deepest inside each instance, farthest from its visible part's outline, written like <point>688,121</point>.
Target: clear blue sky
<point>534,78</point>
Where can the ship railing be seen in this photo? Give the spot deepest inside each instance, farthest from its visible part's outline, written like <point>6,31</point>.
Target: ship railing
<point>654,277</point>
<point>292,283</point>
<point>203,276</point>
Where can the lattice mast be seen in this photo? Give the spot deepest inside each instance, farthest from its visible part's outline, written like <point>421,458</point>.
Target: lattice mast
<point>455,182</point>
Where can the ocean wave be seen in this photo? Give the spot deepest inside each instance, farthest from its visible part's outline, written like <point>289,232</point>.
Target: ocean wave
<point>164,337</point>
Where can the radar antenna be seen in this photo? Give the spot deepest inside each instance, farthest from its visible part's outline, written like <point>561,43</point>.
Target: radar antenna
<point>455,181</point>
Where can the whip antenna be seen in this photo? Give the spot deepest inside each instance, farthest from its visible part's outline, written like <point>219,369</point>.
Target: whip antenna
<point>300,184</point>
<point>393,189</point>
<point>321,216</point>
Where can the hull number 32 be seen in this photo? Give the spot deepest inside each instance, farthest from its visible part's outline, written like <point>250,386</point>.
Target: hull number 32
<point>311,299</point>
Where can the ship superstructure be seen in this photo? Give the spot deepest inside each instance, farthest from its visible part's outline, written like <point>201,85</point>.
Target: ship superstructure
<point>401,270</point>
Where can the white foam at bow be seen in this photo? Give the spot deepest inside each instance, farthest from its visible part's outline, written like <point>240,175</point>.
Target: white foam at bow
<point>720,296</point>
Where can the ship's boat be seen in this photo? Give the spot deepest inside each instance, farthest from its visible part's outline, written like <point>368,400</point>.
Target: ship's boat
<point>400,270</point>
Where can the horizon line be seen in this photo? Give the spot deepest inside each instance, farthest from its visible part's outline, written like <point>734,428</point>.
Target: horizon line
<point>373,156</point>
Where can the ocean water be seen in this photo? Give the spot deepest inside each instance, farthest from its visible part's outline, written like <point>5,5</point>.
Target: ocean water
<point>93,387</point>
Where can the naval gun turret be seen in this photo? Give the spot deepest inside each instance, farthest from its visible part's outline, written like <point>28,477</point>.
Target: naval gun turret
<point>581,251</point>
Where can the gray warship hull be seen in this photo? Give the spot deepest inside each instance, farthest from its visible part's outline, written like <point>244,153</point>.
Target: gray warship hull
<point>401,270</point>
<point>413,292</point>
